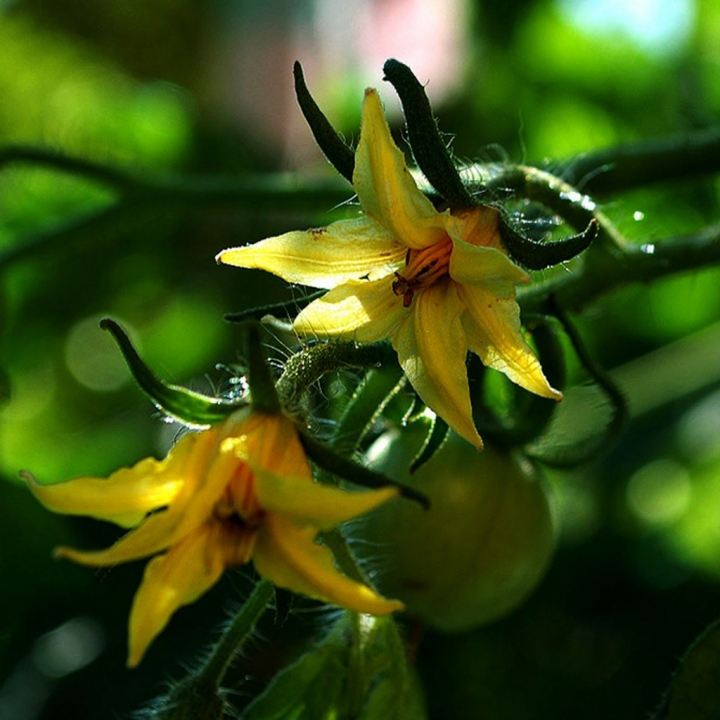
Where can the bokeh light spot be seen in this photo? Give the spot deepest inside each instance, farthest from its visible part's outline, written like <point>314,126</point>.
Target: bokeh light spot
<point>660,492</point>
<point>93,358</point>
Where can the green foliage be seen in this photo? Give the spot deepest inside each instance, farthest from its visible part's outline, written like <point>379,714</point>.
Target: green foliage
<point>133,90</point>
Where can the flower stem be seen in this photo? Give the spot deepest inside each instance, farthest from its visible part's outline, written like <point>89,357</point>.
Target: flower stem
<point>240,627</point>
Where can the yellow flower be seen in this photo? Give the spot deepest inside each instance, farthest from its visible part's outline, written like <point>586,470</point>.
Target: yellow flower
<point>437,284</point>
<point>239,491</point>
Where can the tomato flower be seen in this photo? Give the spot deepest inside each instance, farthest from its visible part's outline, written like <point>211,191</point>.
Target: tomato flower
<point>436,283</point>
<point>241,490</point>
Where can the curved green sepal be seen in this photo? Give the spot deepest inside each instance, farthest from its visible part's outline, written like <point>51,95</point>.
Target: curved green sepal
<point>540,255</point>
<point>434,440</point>
<point>263,393</point>
<point>285,308</point>
<point>429,149</point>
<point>345,468</point>
<point>366,405</point>
<point>340,156</point>
<point>579,453</point>
<point>187,406</point>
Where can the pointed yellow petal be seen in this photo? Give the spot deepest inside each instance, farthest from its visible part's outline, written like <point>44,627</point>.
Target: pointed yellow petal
<point>127,495</point>
<point>288,556</point>
<point>152,536</point>
<point>325,257</point>
<point>207,469</point>
<point>432,349</point>
<point>494,334</point>
<point>172,580</point>
<point>364,311</point>
<point>385,188</point>
<point>485,267</point>
<point>311,502</point>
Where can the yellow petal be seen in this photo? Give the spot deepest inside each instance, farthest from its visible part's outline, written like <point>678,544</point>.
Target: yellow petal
<point>115,499</point>
<point>493,330</point>
<point>477,226</point>
<point>127,495</point>
<point>208,469</point>
<point>312,503</point>
<point>172,580</point>
<point>385,187</point>
<point>364,311</point>
<point>288,556</point>
<point>273,444</point>
<point>485,267</point>
<point>152,536</point>
<point>432,348</point>
<point>325,257</point>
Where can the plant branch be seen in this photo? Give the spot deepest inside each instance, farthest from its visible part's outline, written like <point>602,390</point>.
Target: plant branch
<point>603,270</point>
<point>632,165</point>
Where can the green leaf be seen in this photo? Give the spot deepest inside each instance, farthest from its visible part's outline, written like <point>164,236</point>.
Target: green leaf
<point>390,689</point>
<point>437,434</point>
<point>309,689</point>
<point>343,467</point>
<point>694,693</point>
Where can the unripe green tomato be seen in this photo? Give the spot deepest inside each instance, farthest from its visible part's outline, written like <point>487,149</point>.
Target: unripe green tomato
<point>479,550</point>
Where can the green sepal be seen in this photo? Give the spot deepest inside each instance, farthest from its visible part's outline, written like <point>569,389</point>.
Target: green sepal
<point>437,435</point>
<point>340,156</point>
<point>429,149</point>
<point>375,391</point>
<point>284,604</point>
<point>187,406</point>
<point>336,464</point>
<point>580,452</point>
<point>529,414</point>
<point>540,255</point>
<point>275,309</point>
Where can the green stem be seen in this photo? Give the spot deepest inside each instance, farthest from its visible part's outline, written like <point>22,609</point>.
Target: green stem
<point>633,165</point>
<point>603,271</point>
<point>235,634</point>
<point>279,191</point>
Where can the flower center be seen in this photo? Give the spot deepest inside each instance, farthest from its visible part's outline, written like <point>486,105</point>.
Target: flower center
<point>240,517</point>
<point>422,268</point>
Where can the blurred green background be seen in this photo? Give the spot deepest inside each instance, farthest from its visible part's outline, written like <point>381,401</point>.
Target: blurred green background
<point>185,86</point>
